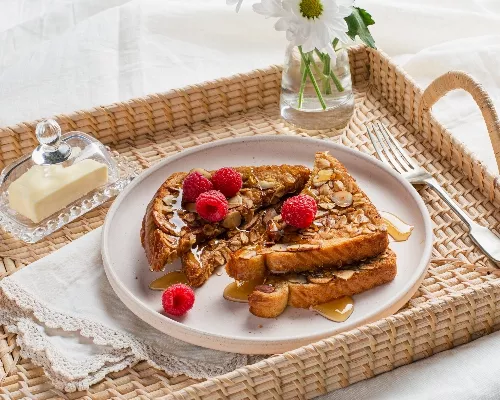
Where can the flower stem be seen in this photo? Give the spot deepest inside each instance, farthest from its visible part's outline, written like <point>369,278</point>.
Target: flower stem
<point>319,54</point>
<point>315,66</point>
<point>336,81</point>
<point>327,88</point>
<point>311,77</point>
<point>302,82</point>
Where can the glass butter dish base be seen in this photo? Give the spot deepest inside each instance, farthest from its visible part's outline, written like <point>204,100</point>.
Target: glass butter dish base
<point>65,150</point>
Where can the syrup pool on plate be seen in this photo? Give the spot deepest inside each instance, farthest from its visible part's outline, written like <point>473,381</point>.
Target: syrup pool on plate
<point>337,310</point>
<point>239,291</point>
<point>396,228</point>
<point>167,280</point>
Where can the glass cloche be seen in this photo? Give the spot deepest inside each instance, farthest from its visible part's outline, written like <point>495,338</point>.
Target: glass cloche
<point>64,177</point>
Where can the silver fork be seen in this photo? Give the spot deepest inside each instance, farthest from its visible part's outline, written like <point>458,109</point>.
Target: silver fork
<point>390,152</point>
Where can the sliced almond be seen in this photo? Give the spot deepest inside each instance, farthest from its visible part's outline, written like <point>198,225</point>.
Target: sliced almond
<point>289,178</point>
<point>247,254</point>
<point>303,247</point>
<point>232,220</point>
<point>244,238</point>
<point>273,231</point>
<point>247,202</point>
<point>323,163</point>
<point>250,223</point>
<point>319,279</point>
<point>325,174</point>
<point>344,273</point>
<point>202,171</point>
<point>338,186</point>
<point>296,278</point>
<point>235,201</point>
<point>324,190</point>
<point>342,198</point>
<point>269,215</point>
<point>321,213</point>
<point>326,206</point>
<point>267,184</point>
<point>279,247</point>
<point>168,199</point>
<point>322,177</point>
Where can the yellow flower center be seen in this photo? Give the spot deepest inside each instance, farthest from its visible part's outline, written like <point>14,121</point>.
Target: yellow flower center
<point>311,9</point>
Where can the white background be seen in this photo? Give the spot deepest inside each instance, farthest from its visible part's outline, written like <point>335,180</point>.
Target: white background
<point>57,56</point>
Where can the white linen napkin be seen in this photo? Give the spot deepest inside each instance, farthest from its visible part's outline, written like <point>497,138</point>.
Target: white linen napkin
<point>70,322</point>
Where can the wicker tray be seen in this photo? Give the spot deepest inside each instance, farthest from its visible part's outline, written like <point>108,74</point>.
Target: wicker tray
<point>457,302</point>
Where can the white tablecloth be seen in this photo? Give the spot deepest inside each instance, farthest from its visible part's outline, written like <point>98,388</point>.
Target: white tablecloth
<point>57,56</point>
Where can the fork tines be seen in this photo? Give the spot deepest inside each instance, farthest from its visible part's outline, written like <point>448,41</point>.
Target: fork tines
<point>388,149</point>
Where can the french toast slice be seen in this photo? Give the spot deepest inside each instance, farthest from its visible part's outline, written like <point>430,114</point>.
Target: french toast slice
<point>199,263</point>
<point>170,228</point>
<point>308,289</point>
<point>347,228</point>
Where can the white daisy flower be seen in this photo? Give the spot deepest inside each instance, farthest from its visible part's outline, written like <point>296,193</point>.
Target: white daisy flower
<point>233,2</point>
<point>312,24</point>
<point>271,8</point>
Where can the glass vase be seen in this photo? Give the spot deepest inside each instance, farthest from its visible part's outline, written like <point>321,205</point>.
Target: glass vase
<point>316,91</point>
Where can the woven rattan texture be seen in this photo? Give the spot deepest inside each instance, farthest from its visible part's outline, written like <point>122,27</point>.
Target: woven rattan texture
<point>454,304</point>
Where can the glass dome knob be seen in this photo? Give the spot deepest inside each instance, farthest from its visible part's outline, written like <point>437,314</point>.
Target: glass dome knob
<point>51,150</point>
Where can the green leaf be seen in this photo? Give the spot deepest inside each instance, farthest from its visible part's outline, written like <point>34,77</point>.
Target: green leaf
<point>358,23</point>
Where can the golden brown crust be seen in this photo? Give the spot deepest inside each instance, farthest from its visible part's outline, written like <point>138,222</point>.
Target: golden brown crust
<point>335,252</point>
<point>242,268</point>
<point>382,270</point>
<point>338,236</point>
<point>267,304</point>
<point>169,229</point>
<point>199,263</point>
<point>365,276</point>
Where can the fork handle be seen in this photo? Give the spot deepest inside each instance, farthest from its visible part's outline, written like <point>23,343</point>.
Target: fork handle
<point>485,239</point>
<point>434,184</point>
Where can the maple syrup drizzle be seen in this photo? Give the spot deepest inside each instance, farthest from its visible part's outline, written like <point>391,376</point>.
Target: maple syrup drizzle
<point>196,252</point>
<point>239,291</point>
<point>396,228</point>
<point>337,310</point>
<point>176,220</point>
<point>251,181</point>
<point>167,280</point>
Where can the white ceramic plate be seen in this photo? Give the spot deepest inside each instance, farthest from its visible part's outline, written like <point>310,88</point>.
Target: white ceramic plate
<point>223,325</point>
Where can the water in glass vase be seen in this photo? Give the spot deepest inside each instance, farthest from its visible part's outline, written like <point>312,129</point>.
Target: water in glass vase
<point>316,93</point>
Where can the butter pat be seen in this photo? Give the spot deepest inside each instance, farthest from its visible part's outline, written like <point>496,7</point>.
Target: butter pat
<point>44,190</point>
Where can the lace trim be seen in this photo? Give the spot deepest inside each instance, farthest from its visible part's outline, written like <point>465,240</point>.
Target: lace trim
<point>18,309</point>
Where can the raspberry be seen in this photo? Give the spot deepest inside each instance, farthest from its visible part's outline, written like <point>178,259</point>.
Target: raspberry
<point>178,299</point>
<point>212,206</point>
<point>299,211</point>
<point>228,181</point>
<point>194,184</point>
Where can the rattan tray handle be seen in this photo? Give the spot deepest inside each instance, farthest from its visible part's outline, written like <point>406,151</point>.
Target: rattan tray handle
<point>460,80</point>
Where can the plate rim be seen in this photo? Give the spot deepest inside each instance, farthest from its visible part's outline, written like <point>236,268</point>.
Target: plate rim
<point>121,290</point>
